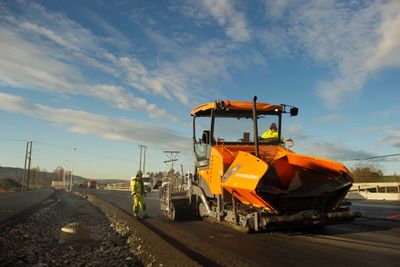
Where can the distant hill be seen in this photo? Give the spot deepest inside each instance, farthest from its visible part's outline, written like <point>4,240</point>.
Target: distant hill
<point>43,178</point>
<point>10,172</point>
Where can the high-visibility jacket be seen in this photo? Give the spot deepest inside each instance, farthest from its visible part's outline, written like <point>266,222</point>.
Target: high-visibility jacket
<point>269,134</point>
<point>137,187</point>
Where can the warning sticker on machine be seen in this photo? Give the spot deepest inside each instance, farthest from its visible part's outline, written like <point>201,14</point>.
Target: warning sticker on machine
<point>247,176</point>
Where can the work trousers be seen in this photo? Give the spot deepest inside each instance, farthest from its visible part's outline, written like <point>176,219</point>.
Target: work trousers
<point>138,202</point>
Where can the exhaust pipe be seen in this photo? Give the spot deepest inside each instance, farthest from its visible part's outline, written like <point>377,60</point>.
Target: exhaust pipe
<point>255,125</point>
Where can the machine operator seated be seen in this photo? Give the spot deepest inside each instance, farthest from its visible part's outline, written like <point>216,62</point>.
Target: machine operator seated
<point>271,135</point>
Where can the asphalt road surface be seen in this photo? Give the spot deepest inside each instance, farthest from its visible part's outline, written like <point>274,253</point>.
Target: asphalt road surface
<point>373,240</point>
<point>12,203</point>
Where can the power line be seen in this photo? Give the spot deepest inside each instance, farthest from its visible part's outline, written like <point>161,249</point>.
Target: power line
<point>107,157</point>
<point>52,145</point>
<point>12,140</point>
<point>172,157</point>
<point>104,157</point>
<point>377,157</point>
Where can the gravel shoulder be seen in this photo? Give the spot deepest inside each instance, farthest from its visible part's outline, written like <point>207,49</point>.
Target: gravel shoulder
<point>117,239</point>
<point>159,251</point>
<point>36,241</point>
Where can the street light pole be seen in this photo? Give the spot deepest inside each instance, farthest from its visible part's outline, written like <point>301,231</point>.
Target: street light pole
<point>140,160</point>
<point>72,169</point>
<point>65,173</point>
<point>144,159</point>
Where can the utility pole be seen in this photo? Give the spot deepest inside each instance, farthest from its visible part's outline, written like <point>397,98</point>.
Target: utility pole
<point>182,174</point>
<point>182,177</point>
<point>172,158</point>
<point>29,165</point>
<point>27,171</point>
<point>26,159</point>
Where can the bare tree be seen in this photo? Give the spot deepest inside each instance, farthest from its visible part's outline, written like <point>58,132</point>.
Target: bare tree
<point>366,171</point>
<point>58,174</point>
<point>35,173</point>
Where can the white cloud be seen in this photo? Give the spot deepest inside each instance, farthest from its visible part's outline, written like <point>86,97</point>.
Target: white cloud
<point>295,132</point>
<point>387,52</point>
<point>93,124</point>
<point>36,64</point>
<point>48,33</point>
<point>112,33</point>
<point>336,151</point>
<point>193,63</point>
<point>275,40</point>
<point>226,15</point>
<point>335,117</point>
<point>366,131</point>
<point>357,39</point>
<point>391,137</point>
<point>60,63</point>
<point>23,64</point>
<point>354,39</point>
<point>276,8</point>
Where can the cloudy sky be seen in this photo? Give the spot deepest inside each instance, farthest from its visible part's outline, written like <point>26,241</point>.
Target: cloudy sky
<point>105,76</point>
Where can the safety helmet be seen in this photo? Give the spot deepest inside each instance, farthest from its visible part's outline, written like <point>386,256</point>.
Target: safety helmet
<point>139,173</point>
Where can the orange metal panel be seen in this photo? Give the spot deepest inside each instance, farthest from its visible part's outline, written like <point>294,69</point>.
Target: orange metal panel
<point>242,178</point>
<point>216,171</point>
<point>312,163</point>
<point>213,174</point>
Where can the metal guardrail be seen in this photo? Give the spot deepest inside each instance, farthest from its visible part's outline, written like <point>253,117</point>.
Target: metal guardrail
<point>118,187</point>
<point>375,191</point>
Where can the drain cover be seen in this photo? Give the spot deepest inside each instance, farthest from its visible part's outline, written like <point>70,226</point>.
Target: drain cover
<point>74,232</point>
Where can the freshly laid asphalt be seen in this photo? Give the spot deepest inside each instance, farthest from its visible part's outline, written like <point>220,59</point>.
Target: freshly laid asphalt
<point>373,240</point>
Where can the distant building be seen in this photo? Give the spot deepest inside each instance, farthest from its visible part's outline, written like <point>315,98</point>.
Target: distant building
<point>57,184</point>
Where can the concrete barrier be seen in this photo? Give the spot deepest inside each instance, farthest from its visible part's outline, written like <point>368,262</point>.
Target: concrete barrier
<point>375,191</point>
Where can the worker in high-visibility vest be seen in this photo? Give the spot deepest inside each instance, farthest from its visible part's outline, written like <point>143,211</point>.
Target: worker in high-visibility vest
<point>138,193</point>
<point>272,133</point>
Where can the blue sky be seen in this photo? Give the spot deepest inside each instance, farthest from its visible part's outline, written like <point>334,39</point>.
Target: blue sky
<point>106,76</point>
